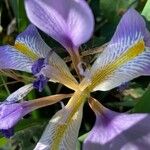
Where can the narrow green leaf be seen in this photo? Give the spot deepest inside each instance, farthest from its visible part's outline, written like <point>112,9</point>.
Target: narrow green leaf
<point>146,10</point>
<point>19,11</point>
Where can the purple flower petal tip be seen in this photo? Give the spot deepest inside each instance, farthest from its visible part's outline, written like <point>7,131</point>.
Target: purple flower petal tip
<point>7,133</point>
<point>70,22</point>
<point>11,111</point>
<point>134,28</point>
<point>10,114</point>
<point>131,37</point>
<point>119,131</point>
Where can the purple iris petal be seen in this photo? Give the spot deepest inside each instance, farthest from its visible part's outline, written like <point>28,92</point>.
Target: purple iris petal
<point>8,133</point>
<point>17,60</point>
<point>134,28</point>
<point>11,113</point>
<point>130,32</point>
<point>70,22</point>
<point>40,82</point>
<point>31,38</point>
<point>28,47</point>
<point>119,131</point>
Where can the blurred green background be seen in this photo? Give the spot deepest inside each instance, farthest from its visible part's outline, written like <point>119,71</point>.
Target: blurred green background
<point>135,97</point>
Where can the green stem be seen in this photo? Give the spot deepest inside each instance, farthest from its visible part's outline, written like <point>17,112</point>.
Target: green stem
<point>5,85</point>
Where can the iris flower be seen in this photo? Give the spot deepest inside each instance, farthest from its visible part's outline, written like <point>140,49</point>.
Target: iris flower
<point>71,23</point>
<point>126,57</point>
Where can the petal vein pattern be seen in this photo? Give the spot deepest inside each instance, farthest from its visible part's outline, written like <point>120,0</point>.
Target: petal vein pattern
<point>68,132</point>
<point>101,75</point>
<point>31,44</point>
<point>126,56</point>
<point>71,23</point>
<point>30,47</point>
<point>133,69</point>
<point>119,131</point>
<point>10,58</point>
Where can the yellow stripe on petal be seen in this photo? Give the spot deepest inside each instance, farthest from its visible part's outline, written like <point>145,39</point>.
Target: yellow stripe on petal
<point>73,106</point>
<point>102,74</point>
<point>62,130</point>
<point>25,50</point>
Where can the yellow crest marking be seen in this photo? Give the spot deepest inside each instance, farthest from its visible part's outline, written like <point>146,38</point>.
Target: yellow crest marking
<point>73,105</point>
<point>25,50</point>
<point>130,54</point>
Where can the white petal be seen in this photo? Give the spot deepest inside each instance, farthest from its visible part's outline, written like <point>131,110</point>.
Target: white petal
<point>133,69</point>
<point>68,141</point>
<point>34,45</point>
<point>126,57</point>
<point>20,93</point>
<point>10,58</point>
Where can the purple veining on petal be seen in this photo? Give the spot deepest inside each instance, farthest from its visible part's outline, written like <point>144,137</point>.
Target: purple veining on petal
<point>33,40</point>
<point>131,28</point>
<point>10,114</point>
<point>71,23</point>
<point>120,131</point>
<point>17,60</point>
<point>130,31</point>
